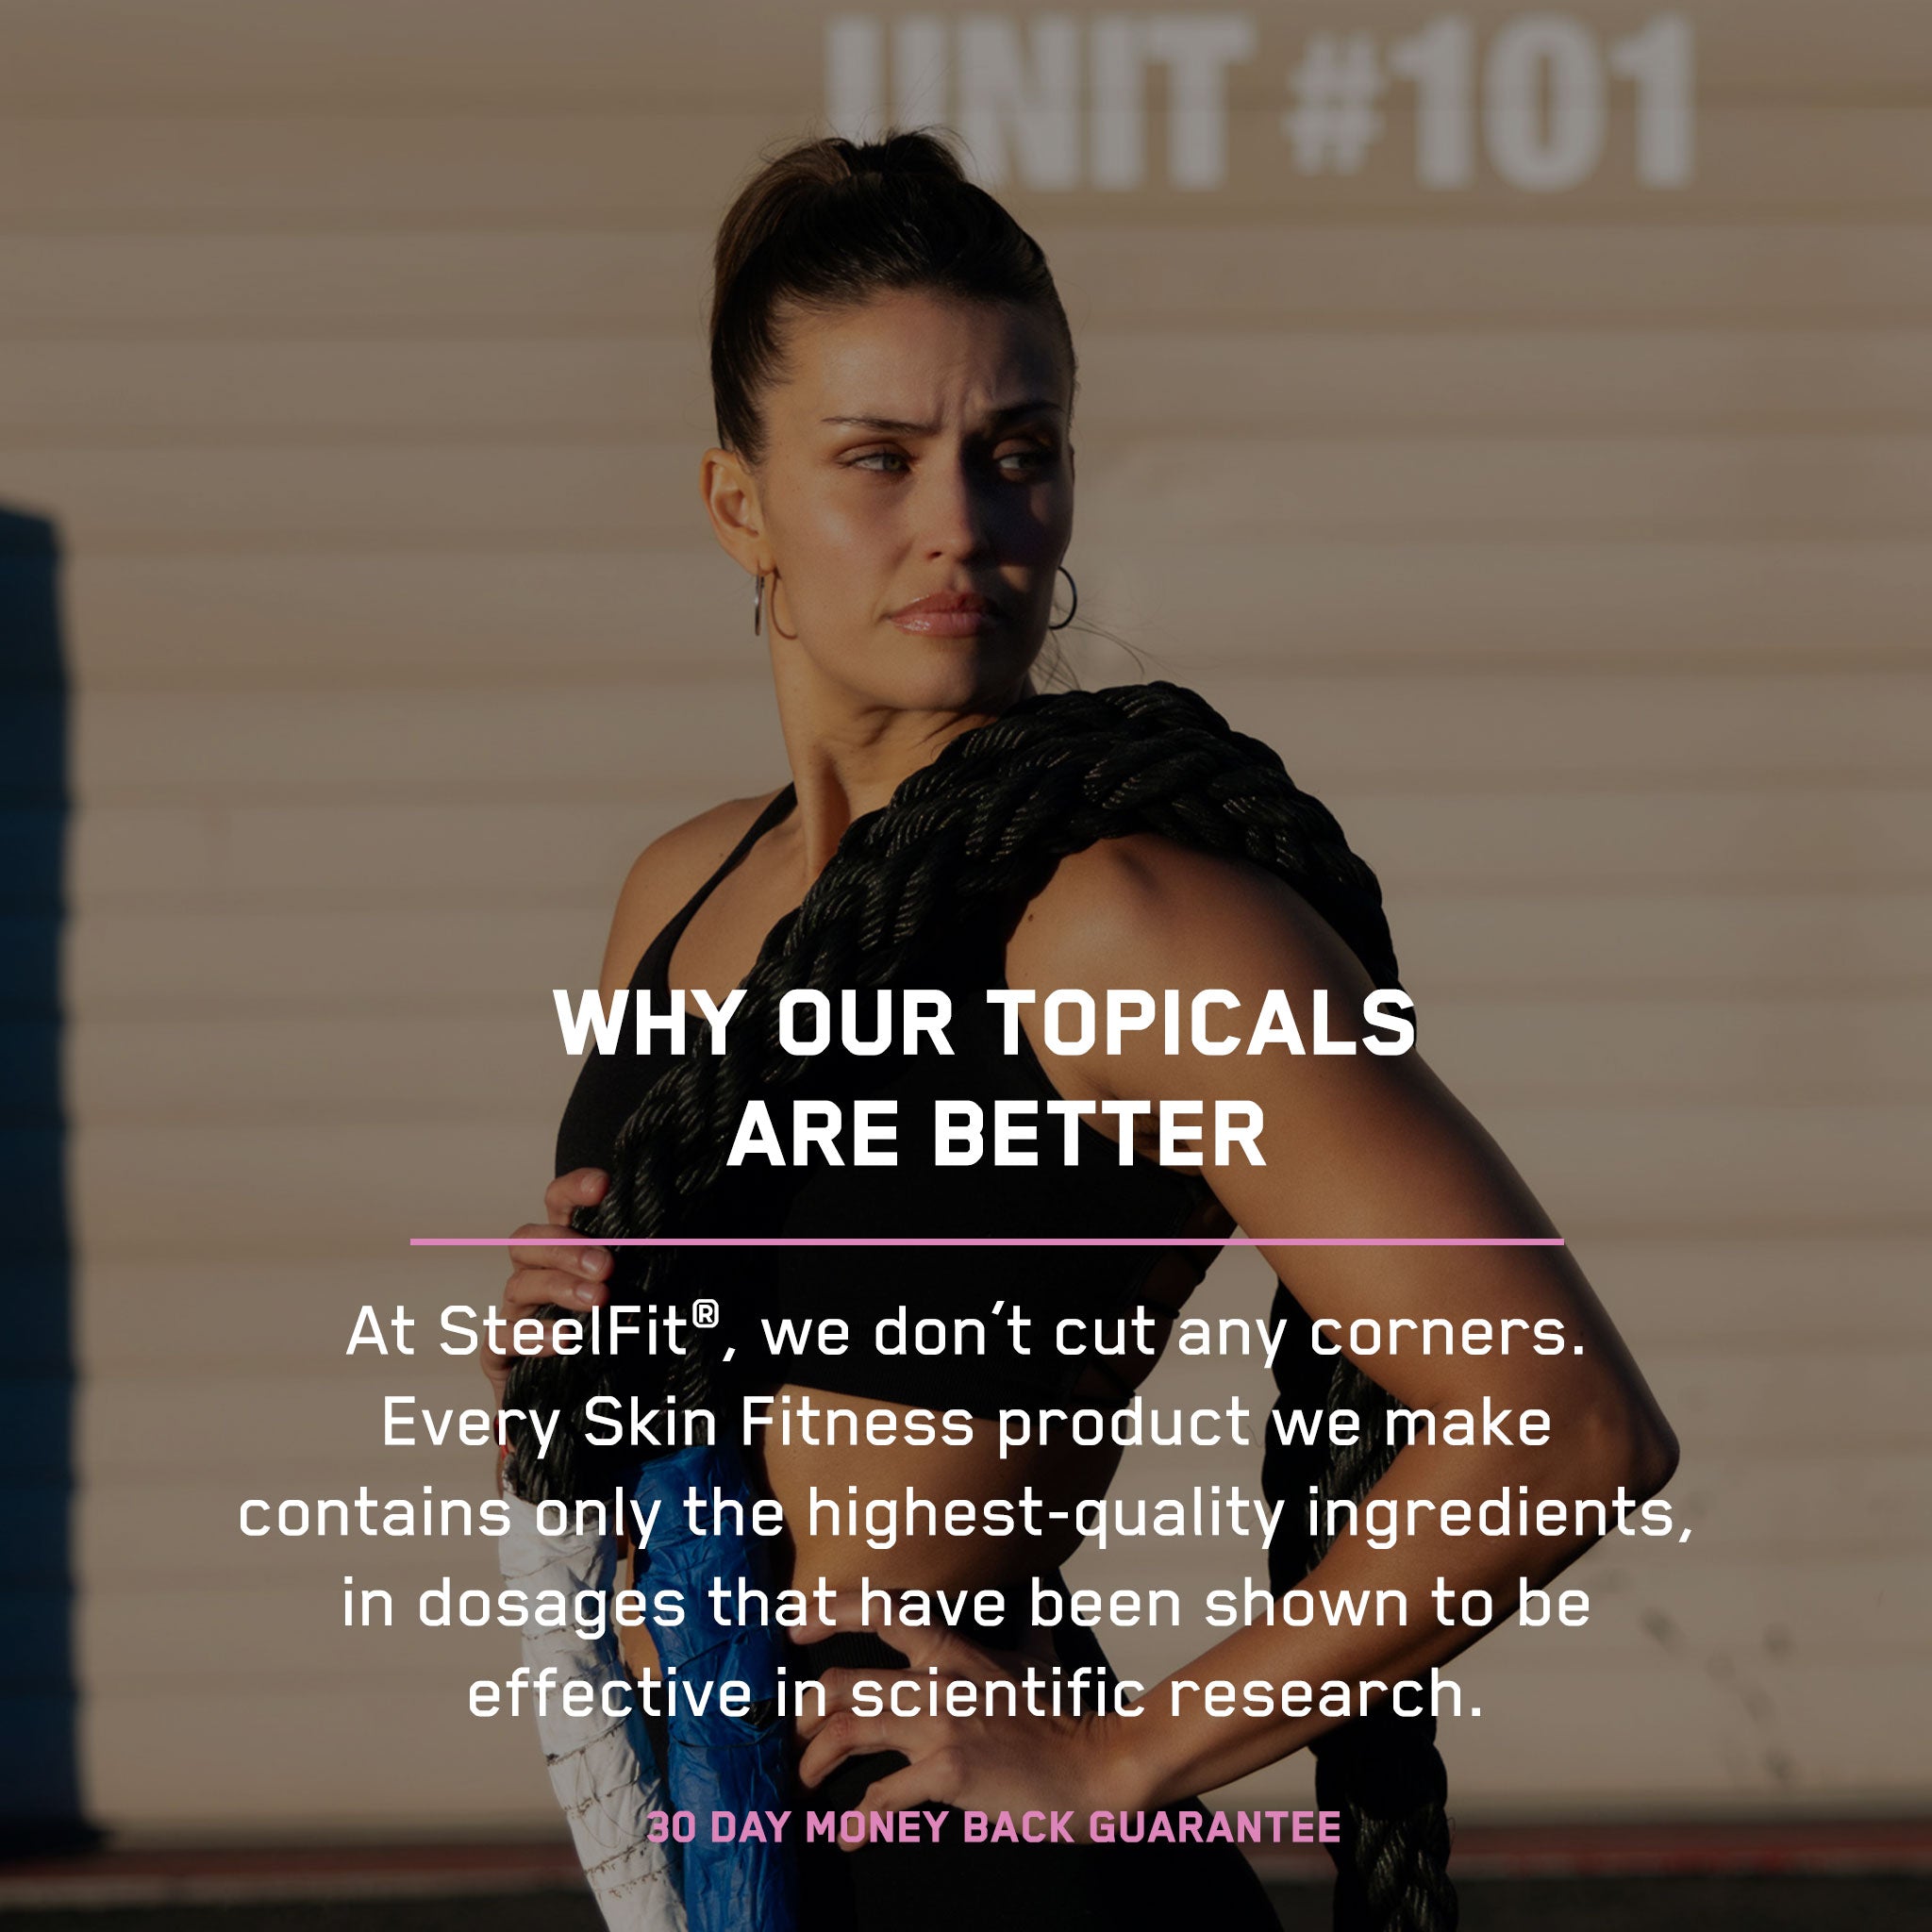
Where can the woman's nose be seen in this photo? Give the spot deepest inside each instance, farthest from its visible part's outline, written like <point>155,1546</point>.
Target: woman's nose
<point>957,516</point>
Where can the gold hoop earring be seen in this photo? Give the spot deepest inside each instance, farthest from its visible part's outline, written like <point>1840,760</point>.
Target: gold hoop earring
<point>1075,589</point>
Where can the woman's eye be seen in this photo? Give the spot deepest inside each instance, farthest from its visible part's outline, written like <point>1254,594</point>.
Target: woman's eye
<point>877,455</point>
<point>1032,460</point>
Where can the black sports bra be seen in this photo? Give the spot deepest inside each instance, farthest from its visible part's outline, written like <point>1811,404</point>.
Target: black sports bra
<point>930,1352</point>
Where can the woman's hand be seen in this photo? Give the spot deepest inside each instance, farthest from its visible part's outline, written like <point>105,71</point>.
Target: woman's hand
<point>978,1763</point>
<point>542,1275</point>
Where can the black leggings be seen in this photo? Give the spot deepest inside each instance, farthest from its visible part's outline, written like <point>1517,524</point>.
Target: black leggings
<point>1005,1887</point>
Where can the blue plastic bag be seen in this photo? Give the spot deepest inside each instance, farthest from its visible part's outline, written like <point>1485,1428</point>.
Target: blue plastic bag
<point>716,1763</point>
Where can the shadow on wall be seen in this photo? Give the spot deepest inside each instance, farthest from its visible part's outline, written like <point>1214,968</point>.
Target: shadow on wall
<point>39,1787</point>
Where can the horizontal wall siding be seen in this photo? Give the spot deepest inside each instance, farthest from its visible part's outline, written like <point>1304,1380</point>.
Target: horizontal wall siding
<point>1575,547</point>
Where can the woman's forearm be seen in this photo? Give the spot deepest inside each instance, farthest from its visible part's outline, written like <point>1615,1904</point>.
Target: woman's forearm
<point>1175,1748</point>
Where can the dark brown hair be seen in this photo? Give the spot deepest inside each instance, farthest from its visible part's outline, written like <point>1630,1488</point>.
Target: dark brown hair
<point>829,224</point>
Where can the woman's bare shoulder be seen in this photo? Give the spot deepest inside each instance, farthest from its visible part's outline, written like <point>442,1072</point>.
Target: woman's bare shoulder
<point>666,873</point>
<point>1147,903</point>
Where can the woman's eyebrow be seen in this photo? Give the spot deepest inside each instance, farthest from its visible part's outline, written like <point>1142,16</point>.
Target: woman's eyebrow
<point>891,426</point>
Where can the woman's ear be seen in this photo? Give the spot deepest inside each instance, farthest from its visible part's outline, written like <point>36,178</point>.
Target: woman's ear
<point>730,495</point>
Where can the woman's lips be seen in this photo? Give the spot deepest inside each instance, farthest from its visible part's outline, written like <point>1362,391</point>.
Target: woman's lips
<point>947,614</point>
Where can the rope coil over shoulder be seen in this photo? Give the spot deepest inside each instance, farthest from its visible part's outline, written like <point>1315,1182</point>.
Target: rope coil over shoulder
<point>977,831</point>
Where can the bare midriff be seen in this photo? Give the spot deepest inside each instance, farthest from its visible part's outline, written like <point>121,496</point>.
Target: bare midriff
<point>1040,1488</point>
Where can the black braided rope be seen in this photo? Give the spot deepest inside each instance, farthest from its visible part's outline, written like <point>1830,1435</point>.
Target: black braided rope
<point>1381,1771</point>
<point>977,831</point>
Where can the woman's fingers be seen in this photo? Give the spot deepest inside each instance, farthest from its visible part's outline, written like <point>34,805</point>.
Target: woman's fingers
<point>550,1270</point>
<point>551,1265</point>
<point>837,1683</point>
<point>838,1731</point>
<point>954,1652</point>
<point>582,1186</point>
<point>548,1246</point>
<point>845,1734</point>
<point>537,1283</point>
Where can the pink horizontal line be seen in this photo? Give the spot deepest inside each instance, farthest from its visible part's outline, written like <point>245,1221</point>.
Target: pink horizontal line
<point>989,1240</point>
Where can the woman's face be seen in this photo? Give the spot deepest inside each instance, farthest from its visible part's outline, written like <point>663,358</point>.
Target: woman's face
<point>916,448</point>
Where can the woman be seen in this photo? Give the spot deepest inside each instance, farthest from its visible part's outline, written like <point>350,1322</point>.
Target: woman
<point>894,383</point>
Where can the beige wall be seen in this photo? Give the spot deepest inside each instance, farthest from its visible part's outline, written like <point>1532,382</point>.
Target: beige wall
<point>1572,545</point>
